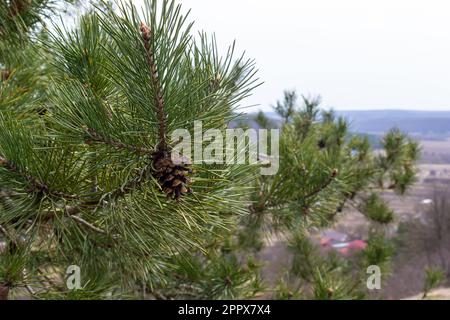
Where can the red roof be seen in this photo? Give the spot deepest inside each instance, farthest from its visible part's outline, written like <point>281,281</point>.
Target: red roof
<point>325,242</point>
<point>357,244</point>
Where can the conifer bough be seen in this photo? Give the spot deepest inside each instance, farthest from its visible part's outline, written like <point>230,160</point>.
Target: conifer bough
<point>86,183</point>
<point>171,177</point>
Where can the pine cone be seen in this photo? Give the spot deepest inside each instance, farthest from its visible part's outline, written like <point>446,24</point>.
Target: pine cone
<point>5,74</point>
<point>4,290</point>
<point>322,144</point>
<point>330,293</point>
<point>334,173</point>
<point>172,177</point>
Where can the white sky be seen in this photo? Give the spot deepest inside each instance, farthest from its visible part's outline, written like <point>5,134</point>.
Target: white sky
<point>357,54</point>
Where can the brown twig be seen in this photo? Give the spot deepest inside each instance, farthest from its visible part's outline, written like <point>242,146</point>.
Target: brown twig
<point>5,287</point>
<point>3,230</point>
<point>4,292</point>
<point>36,185</point>
<point>322,187</point>
<point>8,235</point>
<point>73,211</point>
<point>5,74</point>
<point>97,137</point>
<point>131,185</point>
<point>17,7</point>
<point>27,286</point>
<point>50,282</point>
<point>87,224</point>
<point>313,193</point>
<point>146,35</point>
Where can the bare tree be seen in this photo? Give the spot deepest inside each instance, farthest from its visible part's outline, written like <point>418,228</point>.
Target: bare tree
<point>430,235</point>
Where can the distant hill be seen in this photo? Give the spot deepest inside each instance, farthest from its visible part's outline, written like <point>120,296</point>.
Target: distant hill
<point>422,124</point>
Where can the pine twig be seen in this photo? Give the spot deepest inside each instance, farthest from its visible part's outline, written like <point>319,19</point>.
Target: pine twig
<point>146,35</point>
<point>97,137</point>
<point>322,187</point>
<point>5,287</point>
<point>36,185</point>
<point>171,177</point>
<point>50,282</point>
<point>117,193</point>
<point>27,286</point>
<point>4,292</point>
<point>5,74</point>
<point>87,224</point>
<point>3,230</point>
<point>313,193</point>
<point>132,184</point>
<point>8,235</point>
<point>17,7</point>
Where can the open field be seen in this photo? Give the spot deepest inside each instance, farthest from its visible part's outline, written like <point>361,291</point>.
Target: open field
<point>435,152</point>
<point>433,173</point>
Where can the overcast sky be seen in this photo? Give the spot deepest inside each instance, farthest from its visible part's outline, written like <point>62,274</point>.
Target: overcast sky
<point>357,54</point>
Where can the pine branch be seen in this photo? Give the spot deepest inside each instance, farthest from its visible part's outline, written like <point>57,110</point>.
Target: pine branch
<point>8,235</point>
<point>40,187</point>
<point>117,193</point>
<point>27,286</point>
<point>4,291</point>
<point>50,282</point>
<point>97,137</point>
<point>4,231</point>
<point>146,35</point>
<point>5,74</point>
<point>132,81</point>
<point>87,224</point>
<point>312,194</point>
<point>17,7</point>
<point>322,187</point>
<point>5,287</point>
<point>36,185</point>
<point>131,185</point>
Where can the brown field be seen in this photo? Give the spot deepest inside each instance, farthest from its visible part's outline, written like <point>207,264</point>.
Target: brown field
<point>435,152</point>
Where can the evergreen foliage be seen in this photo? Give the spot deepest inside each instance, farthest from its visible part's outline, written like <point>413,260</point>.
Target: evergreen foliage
<point>433,278</point>
<point>87,177</point>
<point>325,170</point>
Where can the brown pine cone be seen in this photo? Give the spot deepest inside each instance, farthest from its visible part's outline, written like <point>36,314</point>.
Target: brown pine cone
<point>4,290</point>
<point>172,177</point>
<point>5,74</point>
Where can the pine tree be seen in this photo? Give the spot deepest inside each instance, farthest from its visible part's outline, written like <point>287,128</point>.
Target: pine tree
<point>89,183</point>
<point>87,176</point>
<point>325,169</point>
<point>23,86</point>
